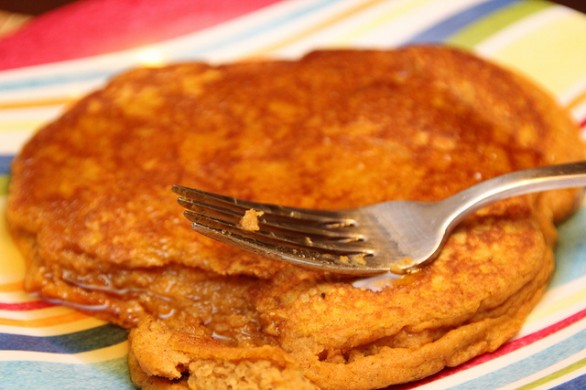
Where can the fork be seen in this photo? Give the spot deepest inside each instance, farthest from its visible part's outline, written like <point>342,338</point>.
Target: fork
<point>395,236</point>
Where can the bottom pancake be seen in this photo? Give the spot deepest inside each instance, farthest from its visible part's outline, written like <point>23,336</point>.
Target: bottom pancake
<point>91,207</point>
<point>332,335</point>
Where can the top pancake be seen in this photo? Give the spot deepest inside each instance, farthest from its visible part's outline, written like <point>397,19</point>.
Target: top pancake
<point>91,207</point>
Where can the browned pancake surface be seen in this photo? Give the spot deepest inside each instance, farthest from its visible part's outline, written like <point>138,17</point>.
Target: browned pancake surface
<point>91,207</point>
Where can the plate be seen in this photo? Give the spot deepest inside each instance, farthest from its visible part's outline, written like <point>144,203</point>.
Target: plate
<point>43,345</point>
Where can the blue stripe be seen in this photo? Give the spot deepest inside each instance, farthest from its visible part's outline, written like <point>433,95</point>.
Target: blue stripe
<point>83,341</point>
<point>578,383</point>
<point>258,30</point>
<point>5,161</point>
<point>23,375</point>
<point>448,27</point>
<point>526,367</point>
<point>570,250</point>
<point>44,81</point>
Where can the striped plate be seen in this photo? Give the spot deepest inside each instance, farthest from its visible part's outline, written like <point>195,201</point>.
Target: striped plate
<point>48,346</point>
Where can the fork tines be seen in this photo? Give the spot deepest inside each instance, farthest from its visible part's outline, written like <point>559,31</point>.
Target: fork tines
<point>281,230</point>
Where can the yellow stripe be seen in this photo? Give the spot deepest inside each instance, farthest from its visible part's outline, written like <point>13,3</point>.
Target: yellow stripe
<point>20,126</point>
<point>44,322</point>
<point>56,101</point>
<point>554,54</point>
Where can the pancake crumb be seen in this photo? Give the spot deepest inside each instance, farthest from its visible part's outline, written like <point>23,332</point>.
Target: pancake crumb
<point>250,220</point>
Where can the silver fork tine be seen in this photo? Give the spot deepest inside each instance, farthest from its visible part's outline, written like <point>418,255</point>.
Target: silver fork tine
<point>325,217</point>
<point>267,220</point>
<point>299,241</point>
<point>203,208</point>
<point>338,239</point>
<point>315,222</point>
<point>261,242</point>
<point>340,235</point>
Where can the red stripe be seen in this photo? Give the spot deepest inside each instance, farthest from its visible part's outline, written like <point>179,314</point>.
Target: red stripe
<point>504,350</point>
<point>24,306</point>
<point>90,27</point>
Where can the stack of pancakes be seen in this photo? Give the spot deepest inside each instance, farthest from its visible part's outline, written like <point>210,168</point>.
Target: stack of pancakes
<point>91,208</point>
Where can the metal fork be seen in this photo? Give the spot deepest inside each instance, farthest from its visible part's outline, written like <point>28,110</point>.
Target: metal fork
<point>395,236</point>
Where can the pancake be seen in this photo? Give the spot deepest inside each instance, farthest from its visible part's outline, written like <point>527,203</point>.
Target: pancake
<point>91,208</point>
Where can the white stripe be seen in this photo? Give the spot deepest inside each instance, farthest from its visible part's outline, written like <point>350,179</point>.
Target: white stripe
<point>578,87</point>
<point>95,356</point>
<point>17,297</point>
<point>64,91</point>
<point>12,141</point>
<point>30,113</point>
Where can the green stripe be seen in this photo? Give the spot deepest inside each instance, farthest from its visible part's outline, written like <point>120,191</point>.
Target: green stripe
<point>3,185</point>
<point>556,375</point>
<point>484,28</point>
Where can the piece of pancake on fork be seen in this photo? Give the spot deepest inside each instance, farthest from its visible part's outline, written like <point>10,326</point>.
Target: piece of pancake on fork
<point>91,207</point>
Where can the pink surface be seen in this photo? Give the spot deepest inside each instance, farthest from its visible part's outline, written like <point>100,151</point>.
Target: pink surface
<point>91,27</point>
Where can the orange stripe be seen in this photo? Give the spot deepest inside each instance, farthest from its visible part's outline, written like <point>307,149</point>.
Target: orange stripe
<point>12,287</point>
<point>57,101</point>
<point>43,322</point>
<point>313,29</point>
<point>576,101</point>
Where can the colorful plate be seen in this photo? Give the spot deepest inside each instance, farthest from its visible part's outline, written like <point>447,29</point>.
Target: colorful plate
<point>48,346</point>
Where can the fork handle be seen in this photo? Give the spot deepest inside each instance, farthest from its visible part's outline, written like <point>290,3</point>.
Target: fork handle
<point>553,177</point>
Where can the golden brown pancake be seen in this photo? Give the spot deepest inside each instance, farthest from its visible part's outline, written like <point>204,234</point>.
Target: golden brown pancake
<point>91,208</point>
